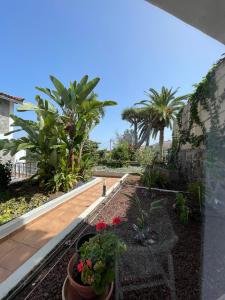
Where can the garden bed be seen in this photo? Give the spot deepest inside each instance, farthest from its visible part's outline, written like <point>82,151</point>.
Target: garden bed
<point>186,254</point>
<point>122,170</point>
<point>24,196</point>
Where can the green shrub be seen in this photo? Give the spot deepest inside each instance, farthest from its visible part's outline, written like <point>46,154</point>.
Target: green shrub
<point>5,175</point>
<point>121,152</point>
<point>182,208</point>
<point>197,193</point>
<point>154,178</point>
<point>15,207</point>
<point>112,163</point>
<point>145,156</point>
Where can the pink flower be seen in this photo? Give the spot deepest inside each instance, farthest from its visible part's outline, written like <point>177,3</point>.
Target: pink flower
<point>89,263</point>
<point>80,267</point>
<point>101,225</point>
<point>116,221</point>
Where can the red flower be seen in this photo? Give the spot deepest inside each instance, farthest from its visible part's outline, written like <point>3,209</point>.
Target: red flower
<point>80,267</point>
<point>89,263</point>
<point>116,221</point>
<point>101,225</point>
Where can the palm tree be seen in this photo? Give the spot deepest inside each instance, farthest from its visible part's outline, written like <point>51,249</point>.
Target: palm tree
<point>132,116</point>
<point>165,106</point>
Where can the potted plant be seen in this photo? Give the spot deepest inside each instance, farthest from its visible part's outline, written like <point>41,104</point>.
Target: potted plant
<point>84,238</point>
<point>91,271</point>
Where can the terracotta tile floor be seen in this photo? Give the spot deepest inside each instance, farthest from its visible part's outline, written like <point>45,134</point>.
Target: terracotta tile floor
<point>21,245</point>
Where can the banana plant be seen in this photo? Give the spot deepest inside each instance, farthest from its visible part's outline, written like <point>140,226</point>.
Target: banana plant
<point>42,137</point>
<point>57,136</point>
<point>82,111</point>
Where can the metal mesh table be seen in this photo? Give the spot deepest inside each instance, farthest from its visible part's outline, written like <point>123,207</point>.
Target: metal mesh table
<point>147,266</point>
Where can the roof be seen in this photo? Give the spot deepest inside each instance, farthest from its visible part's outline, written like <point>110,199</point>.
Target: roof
<point>11,98</point>
<point>166,145</point>
<point>205,15</point>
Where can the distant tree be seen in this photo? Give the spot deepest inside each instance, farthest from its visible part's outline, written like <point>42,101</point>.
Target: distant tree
<point>132,116</point>
<point>127,136</point>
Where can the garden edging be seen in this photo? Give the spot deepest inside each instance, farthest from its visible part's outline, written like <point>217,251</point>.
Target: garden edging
<point>18,222</point>
<point>15,278</point>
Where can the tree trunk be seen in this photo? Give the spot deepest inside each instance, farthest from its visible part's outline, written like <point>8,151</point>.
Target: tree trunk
<point>143,139</point>
<point>80,153</point>
<point>135,135</point>
<point>161,140</point>
<point>148,138</point>
<point>147,141</point>
<point>71,158</point>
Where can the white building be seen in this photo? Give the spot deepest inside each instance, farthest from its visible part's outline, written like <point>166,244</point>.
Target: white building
<point>6,108</point>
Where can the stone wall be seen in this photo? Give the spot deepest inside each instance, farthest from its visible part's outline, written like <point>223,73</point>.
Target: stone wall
<point>191,164</point>
<point>191,160</point>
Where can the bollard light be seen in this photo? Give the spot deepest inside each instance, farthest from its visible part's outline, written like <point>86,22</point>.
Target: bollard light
<point>104,188</point>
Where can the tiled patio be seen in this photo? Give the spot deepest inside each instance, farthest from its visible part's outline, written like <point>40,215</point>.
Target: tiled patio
<point>18,247</point>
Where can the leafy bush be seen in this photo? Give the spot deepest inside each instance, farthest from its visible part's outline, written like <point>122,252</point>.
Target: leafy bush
<point>102,154</point>
<point>197,193</point>
<point>154,178</point>
<point>5,175</point>
<point>112,163</point>
<point>62,182</point>
<point>15,207</point>
<point>145,156</point>
<point>182,208</point>
<point>121,152</point>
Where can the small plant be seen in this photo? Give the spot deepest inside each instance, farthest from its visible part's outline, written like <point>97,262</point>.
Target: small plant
<point>144,234</point>
<point>62,182</point>
<point>197,192</point>
<point>153,178</point>
<point>96,264</point>
<point>182,208</point>
<point>5,175</point>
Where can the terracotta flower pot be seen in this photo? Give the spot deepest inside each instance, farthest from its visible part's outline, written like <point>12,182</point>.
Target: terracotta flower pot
<point>84,238</point>
<point>84,291</point>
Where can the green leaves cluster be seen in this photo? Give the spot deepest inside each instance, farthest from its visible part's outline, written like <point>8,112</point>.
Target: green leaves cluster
<point>153,177</point>
<point>5,175</point>
<point>58,135</point>
<point>183,210</point>
<point>203,95</point>
<point>12,207</point>
<point>145,156</point>
<point>102,250</point>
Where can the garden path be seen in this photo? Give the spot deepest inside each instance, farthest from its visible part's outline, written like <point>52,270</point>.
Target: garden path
<point>18,247</point>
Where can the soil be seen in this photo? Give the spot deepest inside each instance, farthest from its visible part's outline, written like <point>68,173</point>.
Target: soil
<point>186,253</point>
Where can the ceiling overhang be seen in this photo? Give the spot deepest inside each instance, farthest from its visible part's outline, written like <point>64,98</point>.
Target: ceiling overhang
<point>206,15</point>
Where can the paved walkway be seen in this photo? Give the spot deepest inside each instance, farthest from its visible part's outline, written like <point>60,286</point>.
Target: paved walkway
<point>18,247</point>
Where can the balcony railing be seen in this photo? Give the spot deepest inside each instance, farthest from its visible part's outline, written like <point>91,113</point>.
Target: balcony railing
<point>23,170</point>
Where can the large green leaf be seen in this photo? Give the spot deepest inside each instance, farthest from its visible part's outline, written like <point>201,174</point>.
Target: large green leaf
<point>88,88</point>
<point>11,132</point>
<point>27,106</point>
<point>24,146</point>
<point>58,85</point>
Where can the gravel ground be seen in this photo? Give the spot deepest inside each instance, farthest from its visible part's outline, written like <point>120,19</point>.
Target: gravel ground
<point>186,254</point>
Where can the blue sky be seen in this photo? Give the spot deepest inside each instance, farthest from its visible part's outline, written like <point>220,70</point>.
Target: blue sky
<point>130,44</point>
